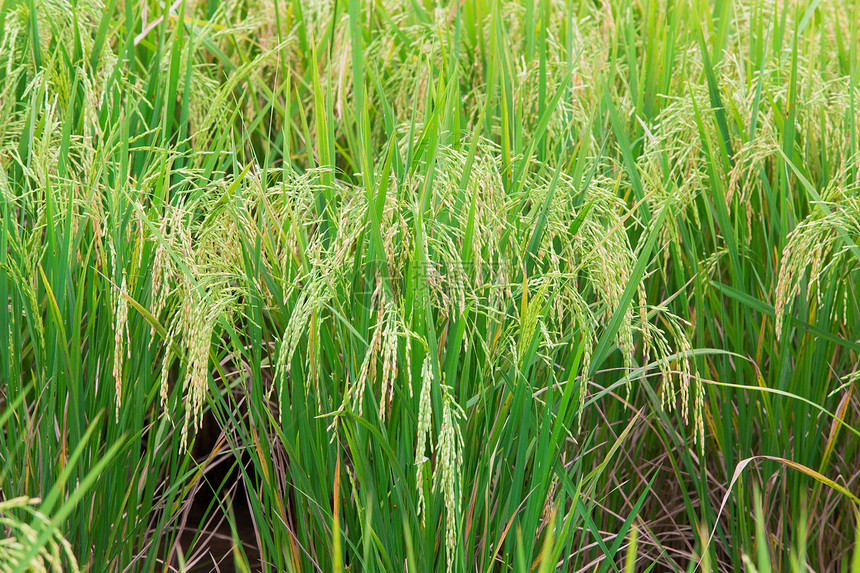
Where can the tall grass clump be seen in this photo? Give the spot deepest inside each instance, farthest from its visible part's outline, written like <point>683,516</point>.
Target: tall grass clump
<point>482,285</point>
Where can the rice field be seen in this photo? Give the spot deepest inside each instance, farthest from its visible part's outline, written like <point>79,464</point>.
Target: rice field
<point>480,285</point>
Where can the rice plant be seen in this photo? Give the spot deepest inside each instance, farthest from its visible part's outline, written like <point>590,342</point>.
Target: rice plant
<point>564,285</point>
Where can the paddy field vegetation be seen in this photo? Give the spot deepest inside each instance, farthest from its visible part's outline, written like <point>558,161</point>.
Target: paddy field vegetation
<point>478,285</point>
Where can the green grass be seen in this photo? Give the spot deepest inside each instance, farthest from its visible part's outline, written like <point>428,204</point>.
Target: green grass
<point>467,286</point>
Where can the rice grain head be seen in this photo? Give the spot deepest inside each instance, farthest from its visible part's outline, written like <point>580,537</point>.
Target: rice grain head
<point>448,475</point>
<point>21,536</point>
<point>121,349</point>
<point>422,441</point>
